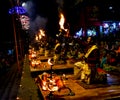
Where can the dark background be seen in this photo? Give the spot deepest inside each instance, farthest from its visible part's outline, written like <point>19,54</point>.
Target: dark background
<point>49,9</point>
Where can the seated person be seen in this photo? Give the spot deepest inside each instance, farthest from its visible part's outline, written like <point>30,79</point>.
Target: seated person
<point>86,69</point>
<point>103,59</point>
<point>57,52</point>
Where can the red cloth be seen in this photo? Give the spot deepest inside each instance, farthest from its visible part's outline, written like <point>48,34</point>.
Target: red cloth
<point>100,70</point>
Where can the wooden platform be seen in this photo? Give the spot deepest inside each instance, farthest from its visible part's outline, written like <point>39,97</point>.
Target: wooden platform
<point>106,93</point>
<point>64,93</point>
<point>29,90</point>
<point>44,67</point>
<point>44,58</point>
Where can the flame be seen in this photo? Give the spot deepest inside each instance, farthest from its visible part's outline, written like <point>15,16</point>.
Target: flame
<point>40,34</point>
<point>33,63</point>
<point>49,62</point>
<point>62,20</point>
<point>61,23</point>
<point>33,55</point>
<point>44,86</point>
<point>36,37</point>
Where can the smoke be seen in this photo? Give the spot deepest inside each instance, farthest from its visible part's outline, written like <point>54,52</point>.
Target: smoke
<point>37,22</point>
<point>44,14</point>
<point>60,4</point>
<point>30,8</point>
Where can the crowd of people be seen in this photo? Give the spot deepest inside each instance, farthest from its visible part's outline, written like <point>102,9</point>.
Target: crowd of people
<point>91,50</point>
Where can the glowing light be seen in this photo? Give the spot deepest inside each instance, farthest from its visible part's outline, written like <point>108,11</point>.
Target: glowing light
<point>36,37</point>
<point>91,32</point>
<point>79,33</point>
<point>23,4</point>
<point>49,62</point>
<point>119,23</point>
<point>62,20</point>
<point>40,34</point>
<point>110,7</point>
<point>114,25</point>
<point>106,25</point>
<point>17,10</point>
<point>61,23</point>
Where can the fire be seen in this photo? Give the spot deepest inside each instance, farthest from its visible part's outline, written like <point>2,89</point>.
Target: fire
<point>33,54</point>
<point>50,84</point>
<point>40,34</point>
<point>49,62</point>
<point>62,21</point>
<point>36,37</point>
<point>35,62</point>
<point>44,86</point>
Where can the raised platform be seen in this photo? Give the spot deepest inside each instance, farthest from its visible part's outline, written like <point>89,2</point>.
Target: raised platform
<point>44,58</point>
<point>29,90</point>
<point>80,93</point>
<point>69,92</point>
<point>58,68</point>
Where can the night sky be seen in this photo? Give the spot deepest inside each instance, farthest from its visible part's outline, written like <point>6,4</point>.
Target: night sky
<point>5,20</point>
<point>45,14</point>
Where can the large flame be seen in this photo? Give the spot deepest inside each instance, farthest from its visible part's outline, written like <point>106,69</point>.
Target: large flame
<point>62,21</point>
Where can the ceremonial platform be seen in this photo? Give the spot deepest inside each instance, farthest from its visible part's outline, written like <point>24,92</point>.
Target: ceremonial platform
<point>45,67</point>
<point>75,91</point>
<point>30,90</point>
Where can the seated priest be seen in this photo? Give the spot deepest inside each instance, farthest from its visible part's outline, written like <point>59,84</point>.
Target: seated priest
<point>86,69</point>
<point>57,51</point>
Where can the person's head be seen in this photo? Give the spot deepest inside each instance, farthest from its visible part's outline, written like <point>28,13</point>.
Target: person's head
<point>88,39</point>
<point>91,40</point>
<point>57,41</point>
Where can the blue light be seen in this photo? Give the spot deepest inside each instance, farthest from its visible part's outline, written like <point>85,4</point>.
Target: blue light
<point>17,10</point>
